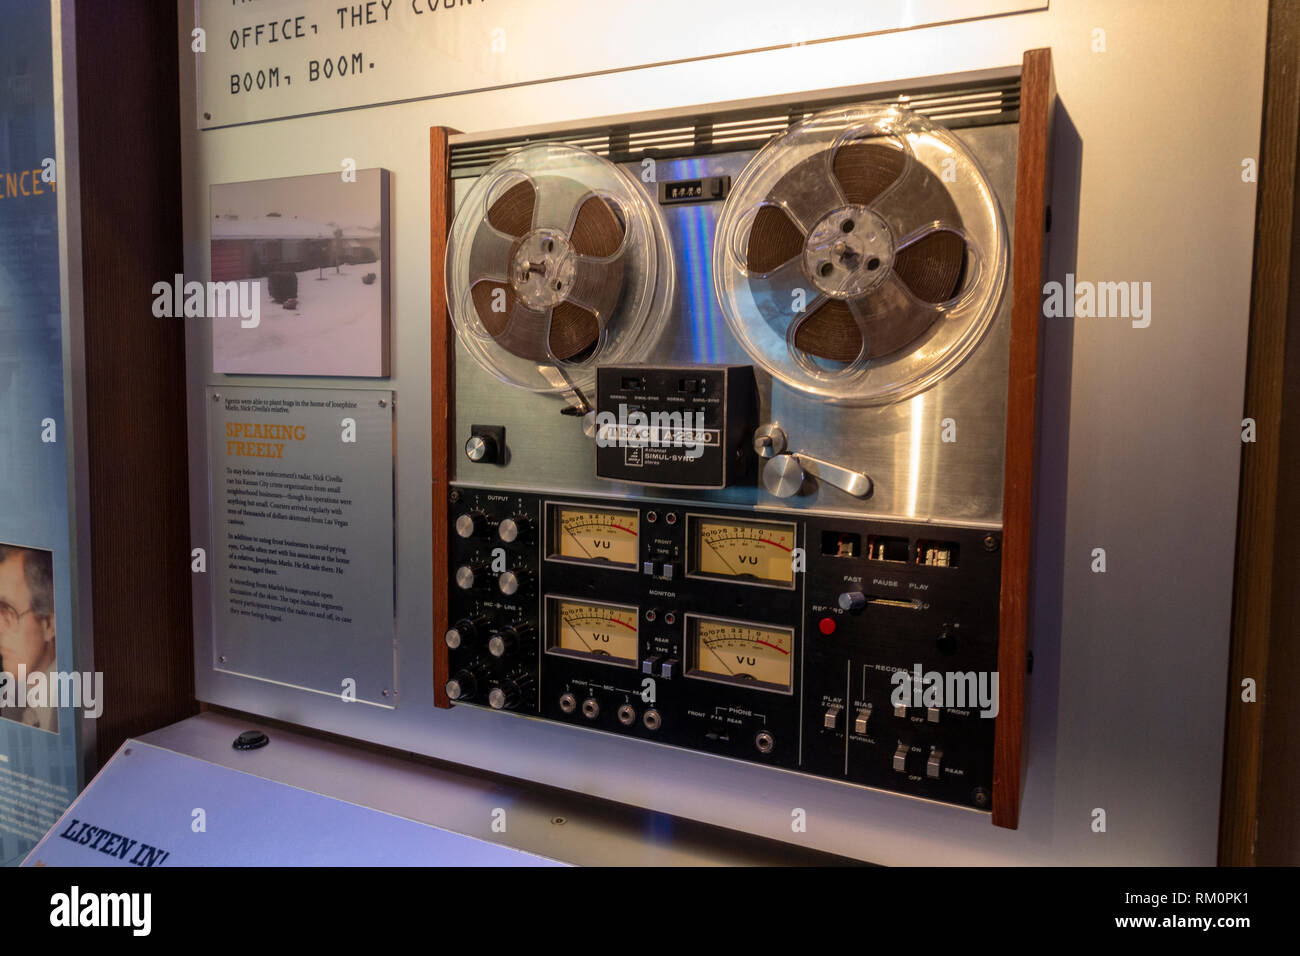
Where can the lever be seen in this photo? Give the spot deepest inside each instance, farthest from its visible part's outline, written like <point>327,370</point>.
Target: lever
<point>785,471</point>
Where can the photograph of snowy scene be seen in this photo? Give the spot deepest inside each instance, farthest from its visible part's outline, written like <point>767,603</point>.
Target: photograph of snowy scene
<point>318,247</point>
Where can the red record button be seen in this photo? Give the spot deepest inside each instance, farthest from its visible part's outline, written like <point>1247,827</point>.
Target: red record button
<point>826,625</point>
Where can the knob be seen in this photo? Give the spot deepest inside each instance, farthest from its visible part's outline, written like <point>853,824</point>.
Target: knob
<point>852,601</point>
<point>783,476</point>
<point>509,639</point>
<point>515,528</point>
<point>469,576</point>
<point>471,523</point>
<point>481,449</point>
<point>512,582</point>
<point>947,640</point>
<point>465,630</point>
<point>464,683</point>
<point>507,695</point>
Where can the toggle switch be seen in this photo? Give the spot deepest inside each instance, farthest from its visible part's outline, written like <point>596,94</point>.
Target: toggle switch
<point>932,763</point>
<point>832,719</point>
<point>900,758</point>
<point>862,720</point>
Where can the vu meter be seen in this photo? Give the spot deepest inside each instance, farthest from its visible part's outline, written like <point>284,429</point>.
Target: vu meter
<point>602,632</point>
<point>758,552</point>
<point>594,535</point>
<point>740,653</point>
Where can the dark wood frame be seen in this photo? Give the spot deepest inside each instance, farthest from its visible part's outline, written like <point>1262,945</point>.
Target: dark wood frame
<point>1258,823</point>
<point>1037,98</point>
<point>442,349</point>
<point>130,191</point>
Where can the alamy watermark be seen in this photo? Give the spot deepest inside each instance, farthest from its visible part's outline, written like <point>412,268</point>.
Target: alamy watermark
<point>52,689</point>
<point>637,429</point>
<point>960,690</point>
<point>240,299</point>
<point>1102,300</point>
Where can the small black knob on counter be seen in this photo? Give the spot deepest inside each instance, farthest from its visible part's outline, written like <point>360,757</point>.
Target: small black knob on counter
<point>947,639</point>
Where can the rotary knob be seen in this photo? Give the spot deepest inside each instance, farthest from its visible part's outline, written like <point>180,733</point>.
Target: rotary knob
<point>464,683</point>
<point>465,630</point>
<point>947,639</point>
<point>511,583</point>
<point>470,576</point>
<point>852,601</point>
<point>509,639</point>
<point>515,528</point>
<point>481,449</point>
<point>471,524</point>
<point>507,695</point>
<point>783,476</point>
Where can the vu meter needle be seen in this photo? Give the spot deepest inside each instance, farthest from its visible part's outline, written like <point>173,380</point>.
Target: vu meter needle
<point>729,671</point>
<point>722,558</point>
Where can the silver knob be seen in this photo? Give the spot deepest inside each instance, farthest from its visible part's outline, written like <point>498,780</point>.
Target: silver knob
<point>469,576</point>
<point>852,601</point>
<point>481,448</point>
<point>769,440</point>
<point>514,529</point>
<point>470,524</point>
<point>783,476</point>
<point>511,582</point>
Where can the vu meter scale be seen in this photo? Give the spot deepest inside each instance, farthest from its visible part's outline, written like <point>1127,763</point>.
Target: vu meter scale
<point>742,581</point>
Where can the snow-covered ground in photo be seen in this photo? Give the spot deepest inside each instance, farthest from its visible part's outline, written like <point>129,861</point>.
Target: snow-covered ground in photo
<point>336,329</point>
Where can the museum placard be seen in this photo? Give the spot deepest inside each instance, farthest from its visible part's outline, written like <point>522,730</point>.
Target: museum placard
<point>302,551</point>
<point>261,61</point>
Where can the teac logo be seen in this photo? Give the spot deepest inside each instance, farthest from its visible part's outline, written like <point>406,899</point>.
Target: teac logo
<point>133,910</point>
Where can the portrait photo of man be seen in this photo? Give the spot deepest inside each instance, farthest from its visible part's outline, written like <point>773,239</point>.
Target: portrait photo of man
<point>27,633</point>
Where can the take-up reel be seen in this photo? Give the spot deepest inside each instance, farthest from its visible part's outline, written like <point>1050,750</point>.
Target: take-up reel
<point>861,255</point>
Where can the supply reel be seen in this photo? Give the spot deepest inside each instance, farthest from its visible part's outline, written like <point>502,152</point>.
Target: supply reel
<point>557,260</point>
<point>861,255</point>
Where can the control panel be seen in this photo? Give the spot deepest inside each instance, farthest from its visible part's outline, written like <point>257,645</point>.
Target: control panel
<point>858,650</point>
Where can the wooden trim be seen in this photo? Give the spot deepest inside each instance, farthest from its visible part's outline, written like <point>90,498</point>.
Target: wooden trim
<point>1037,97</point>
<point>442,349</point>
<point>138,494</point>
<point>1265,619</point>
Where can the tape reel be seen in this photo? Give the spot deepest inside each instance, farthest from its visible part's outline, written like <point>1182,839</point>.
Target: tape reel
<point>557,260</point>
<point>861,255</point>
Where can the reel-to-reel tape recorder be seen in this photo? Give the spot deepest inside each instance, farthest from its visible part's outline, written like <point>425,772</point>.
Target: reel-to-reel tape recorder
<point>738,429</point>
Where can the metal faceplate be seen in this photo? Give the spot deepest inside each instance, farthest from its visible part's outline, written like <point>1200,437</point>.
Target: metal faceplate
<point>936,457</point>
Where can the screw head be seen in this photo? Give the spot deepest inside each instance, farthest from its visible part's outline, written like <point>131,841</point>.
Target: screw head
<point>990,542</point>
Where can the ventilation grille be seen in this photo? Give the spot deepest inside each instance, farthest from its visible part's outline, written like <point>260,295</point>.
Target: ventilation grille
<point>742,129</point>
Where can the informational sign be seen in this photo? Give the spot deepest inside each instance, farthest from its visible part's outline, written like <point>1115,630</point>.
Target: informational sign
<point>41,693</point>
<point>151,807</point>
<point>302,549</point>
<point>268,60</point>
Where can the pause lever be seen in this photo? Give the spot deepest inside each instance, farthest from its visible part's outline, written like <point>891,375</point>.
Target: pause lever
<point>785,471</point>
